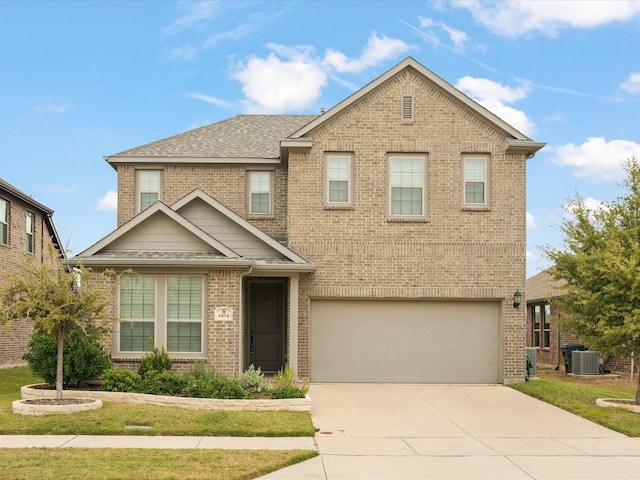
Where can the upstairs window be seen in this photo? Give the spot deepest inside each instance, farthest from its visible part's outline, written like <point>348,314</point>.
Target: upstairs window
<point>476,181</point>
<point>4,222</point>
<point>339,180</point>
<point>148,188</point>
<point>31,221</point>
<point>407,196</point>
<point>260,193</point>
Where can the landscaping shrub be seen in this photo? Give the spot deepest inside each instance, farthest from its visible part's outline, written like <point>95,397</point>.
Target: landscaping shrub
<point>287,392</point>
<point>157,360</point>
<point>117,380</point>
<point>216,386</point>
<point>162,383</point>
<point>252,380</point>
<point>84,359</point>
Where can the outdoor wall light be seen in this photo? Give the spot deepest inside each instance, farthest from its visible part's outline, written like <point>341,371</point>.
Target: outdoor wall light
<point>517,299</point>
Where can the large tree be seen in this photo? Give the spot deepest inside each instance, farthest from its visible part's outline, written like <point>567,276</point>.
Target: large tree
<point>599,265</point>
<point>61,301</point>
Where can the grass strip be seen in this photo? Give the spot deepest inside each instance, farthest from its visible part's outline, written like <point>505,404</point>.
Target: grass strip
<point>125,464</point>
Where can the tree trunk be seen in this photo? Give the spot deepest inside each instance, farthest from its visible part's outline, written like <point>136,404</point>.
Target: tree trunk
<point>638,393</point>
<point>60,362</point>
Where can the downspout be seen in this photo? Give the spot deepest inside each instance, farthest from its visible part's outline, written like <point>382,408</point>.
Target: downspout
<point>241,315</point>
<point>557,339</point>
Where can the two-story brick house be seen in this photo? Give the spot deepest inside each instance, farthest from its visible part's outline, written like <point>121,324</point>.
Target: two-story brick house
<point>26,229</point>
<point>381,241</point>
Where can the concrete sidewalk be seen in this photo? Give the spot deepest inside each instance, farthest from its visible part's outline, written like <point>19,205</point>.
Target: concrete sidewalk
<point>144,441</point>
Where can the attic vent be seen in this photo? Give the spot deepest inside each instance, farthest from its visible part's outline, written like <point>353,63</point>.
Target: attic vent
<point>407,108</point>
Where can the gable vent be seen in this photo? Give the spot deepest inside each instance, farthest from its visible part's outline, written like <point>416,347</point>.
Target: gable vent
<point>407,108</point>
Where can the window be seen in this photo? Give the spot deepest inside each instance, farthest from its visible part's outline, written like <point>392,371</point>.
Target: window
<point>406,186</point>
<point>475,189</point>
<point>260,193</point>
<point>541,326</point>
<point>137,313</point>
<point>4,222</point>
<point>148,188</point>
<point>339,184</point>
<point>184,314</point>
<point>31,220</point>
<point>160,310</point>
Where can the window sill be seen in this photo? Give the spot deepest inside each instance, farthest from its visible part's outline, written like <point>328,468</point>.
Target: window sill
<point>339,207</point>
<point>407,220</point>
<point>469,208</point>
<point>266,216</point>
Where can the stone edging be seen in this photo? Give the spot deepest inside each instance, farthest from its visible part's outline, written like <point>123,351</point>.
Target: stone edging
<point>617,403</point>
<point>290,404</point>
<point>20,407</point>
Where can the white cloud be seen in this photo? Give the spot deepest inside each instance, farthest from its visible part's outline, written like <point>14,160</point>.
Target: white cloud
<point>596,158</point>
<point>195,15</point>
<point>632,83</point>
<point>531,257</point>
<point>209,99</point>
<point>591,204</point>
<point>109,201</point>
<point>513,18</point>
<point>291,78</point>
<point>52,108</point>
<point>376,51</point>
<point>271,85</point>
<point>458,38</point>
<point>531,222</point>
<point>493,96</point>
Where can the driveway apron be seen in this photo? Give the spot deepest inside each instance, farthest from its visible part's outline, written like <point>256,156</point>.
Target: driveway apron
<point>373,431</point>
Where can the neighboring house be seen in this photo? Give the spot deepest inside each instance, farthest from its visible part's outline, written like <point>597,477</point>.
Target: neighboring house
<point>381,241</point>
<point>26,228</point>
<point>544,331</point>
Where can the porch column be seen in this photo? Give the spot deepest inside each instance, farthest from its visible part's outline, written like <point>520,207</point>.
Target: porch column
<point>293,321</point>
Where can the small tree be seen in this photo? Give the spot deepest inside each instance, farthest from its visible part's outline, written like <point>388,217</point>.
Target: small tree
<point>61,302</point>
<point>599,265</point>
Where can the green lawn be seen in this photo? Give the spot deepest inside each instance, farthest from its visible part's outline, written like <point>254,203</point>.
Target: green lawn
<point>113,418</point>
<point>579,397</point>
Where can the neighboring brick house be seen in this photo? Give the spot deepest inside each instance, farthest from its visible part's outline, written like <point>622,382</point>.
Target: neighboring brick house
<point>26,228</point>
<point>543,325</point>
<point>381,241</point>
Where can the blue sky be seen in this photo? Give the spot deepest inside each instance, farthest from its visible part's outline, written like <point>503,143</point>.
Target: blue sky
<point>81,80</point>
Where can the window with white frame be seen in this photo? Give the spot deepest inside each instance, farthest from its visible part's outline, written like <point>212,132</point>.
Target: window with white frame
<point>4,222</point>
<point>260,193</point>
<point>339,183</point>
<point>30,231</point>
<point>148,188</point>
<point>137,313</point>
<point>407,195</point>
<point>184,313</point>
<point>160,310</point>
<point>476,180</point>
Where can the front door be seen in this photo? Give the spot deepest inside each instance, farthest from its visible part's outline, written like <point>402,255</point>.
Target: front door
<point>266,324</point>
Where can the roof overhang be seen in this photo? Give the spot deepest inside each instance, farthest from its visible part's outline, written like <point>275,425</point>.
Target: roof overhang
<point>527,147</point>
<point>122,160</point>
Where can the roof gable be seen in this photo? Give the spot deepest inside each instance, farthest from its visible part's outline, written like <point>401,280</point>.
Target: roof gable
<point>141,232</point>
<point>515,139</point>
<point>236,226</point>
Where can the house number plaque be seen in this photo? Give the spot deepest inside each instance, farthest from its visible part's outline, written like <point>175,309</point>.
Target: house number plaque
<point>223,314</point>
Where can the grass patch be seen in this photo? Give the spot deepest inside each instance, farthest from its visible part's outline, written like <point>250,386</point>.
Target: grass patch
<point>579,397</point>
<point>113,418</point>
<point>115,464</point>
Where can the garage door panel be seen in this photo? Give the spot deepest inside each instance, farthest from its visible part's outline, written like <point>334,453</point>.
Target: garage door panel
<point>404,341</point>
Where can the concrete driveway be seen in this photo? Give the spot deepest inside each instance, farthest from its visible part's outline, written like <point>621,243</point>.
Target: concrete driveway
<point>456,432</point>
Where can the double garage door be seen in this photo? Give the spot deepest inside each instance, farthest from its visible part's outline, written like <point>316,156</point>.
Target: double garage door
<point>404,341</point>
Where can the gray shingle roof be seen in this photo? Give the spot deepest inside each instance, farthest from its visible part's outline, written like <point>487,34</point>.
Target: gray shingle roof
<point>242,136</point>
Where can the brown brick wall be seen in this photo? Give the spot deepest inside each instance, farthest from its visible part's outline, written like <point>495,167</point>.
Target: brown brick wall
<point>15,336</point>
<point>225,183</point>
<point>222,351</point>
<point>454,254</point>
